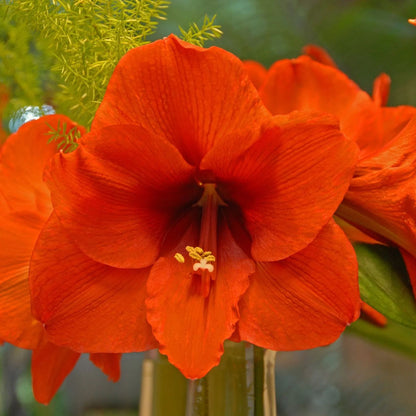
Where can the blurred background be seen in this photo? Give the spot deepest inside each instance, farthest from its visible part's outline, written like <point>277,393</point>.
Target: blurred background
<point>350,377</point>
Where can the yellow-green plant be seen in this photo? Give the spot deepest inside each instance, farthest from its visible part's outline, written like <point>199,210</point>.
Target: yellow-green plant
<point>88,37</point>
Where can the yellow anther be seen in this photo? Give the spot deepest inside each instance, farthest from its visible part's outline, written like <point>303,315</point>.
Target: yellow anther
<point>203,258</point>
<point>197,253</point>
<point>180,258</point>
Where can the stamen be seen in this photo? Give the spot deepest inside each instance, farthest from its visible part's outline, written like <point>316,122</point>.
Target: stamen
<point>179,258</point>
<point>203,269</point>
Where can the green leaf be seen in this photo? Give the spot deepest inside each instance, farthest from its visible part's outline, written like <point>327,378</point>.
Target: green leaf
<point>394,336</point>
<point>384,283</point>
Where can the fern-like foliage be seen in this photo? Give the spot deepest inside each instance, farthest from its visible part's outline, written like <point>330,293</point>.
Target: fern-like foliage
<point>198,36</point>
<point>67,140</point>
<point>24,63</point>
<point>87,39</point>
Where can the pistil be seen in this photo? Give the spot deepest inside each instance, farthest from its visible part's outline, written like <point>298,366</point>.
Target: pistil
<point>204,268</point>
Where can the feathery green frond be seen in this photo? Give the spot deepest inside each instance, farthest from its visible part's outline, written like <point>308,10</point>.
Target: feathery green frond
<point>23,64</point>
<point>87,38</point>
<point>67,139</point>
<point>198,36</point>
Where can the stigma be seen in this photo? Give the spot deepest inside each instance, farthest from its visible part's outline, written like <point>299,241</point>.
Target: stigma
<point>203,270</point>
<point>203,259</point>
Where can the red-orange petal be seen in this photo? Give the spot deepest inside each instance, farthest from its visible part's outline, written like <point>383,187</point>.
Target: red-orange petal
<point>369,314</point>
<point>191,328</point>
<point>319,54</point>
<point>50,366</point>
<point>304,84</point>
<point>412,21</point>
<point>381,89</point>
<point>85,305</point>
<point>26,207</point>
<point>382,197</point>
<point>186,94</point>
<point>117,194</point>
<point>18,234</point>
<point>256,71</point>
<point>287,184</point>
<point>108,363</point>
<point>23,159</point>
<point>306,300</point>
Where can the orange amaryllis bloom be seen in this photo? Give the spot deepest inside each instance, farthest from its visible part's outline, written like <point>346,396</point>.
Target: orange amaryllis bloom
<point>189,216</point>
<point>381,198</point>
<point>25,205</point>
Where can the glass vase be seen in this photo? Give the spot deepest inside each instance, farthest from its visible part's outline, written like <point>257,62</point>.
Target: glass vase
<point>242,384</point>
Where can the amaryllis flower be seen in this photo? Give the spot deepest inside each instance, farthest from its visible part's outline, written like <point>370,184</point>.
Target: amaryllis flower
<point>25,205</point>
<point>381,200</point>
<point>189,216</point>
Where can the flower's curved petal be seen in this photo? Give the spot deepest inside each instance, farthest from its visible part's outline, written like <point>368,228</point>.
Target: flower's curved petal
<point>50,365</point>
<point>26,202</point>
<point>189,326</point>
<point>369,314</point>
<point>23,159</point>
<point>306,300</point>
<point>109,364</point>
<point>186,94</point>
<point>118,192</point>
<point>381,89</point>
<point>392,121</point>
<point>256,71</point>
<point>304,84</point>
<point>319,54</point>
<point>382,197</point>
<point>85,305</point>
<point>18,234</point>
<point>287,184</point>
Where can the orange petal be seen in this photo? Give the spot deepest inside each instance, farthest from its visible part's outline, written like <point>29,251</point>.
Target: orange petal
<point>319,54</point>
<point>108,363</point>
<point>306,300</point>
<point>256,71</point>
<point>304,84</point>
<point>381,89</point>
<point>18,234</point>
<point>190,327</point>
<point>186,94</point>
<point>27,205</point>
<point>50,366</point>
<point>412,21</point>
<point>285,188</point>
<point>382,195</point>
<point>87,306</point>
<point>114,198</point>
<point>368,313</point>
<point>23,159</point>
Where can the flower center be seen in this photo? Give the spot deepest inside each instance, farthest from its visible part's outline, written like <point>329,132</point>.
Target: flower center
<point>203,267</point>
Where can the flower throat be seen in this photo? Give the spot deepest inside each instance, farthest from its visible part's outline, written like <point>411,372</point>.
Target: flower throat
<point>204,254</point>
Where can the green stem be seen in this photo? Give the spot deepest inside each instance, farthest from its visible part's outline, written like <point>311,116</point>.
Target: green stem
<point>242,384</point>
